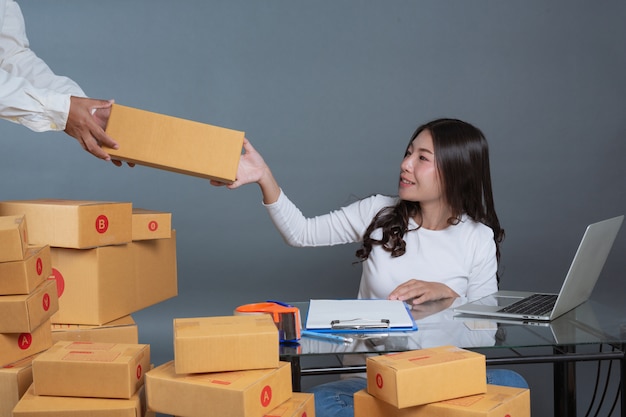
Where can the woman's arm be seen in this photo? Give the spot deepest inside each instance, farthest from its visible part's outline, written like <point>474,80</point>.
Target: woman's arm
<point>340,226</point>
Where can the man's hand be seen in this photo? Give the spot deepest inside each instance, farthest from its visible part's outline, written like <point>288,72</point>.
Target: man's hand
<point>86,122</point>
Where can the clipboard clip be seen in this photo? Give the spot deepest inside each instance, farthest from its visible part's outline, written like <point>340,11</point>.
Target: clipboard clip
<point>360,324</point>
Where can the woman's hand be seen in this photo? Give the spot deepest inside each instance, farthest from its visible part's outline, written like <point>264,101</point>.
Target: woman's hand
<point>253,169</point>
<point>417,292</point>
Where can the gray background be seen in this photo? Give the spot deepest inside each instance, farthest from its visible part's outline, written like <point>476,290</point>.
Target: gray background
<point>330,92</point>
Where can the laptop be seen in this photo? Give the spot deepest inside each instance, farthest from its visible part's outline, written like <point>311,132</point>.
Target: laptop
<point>580,325</point>
<point>581,278</point>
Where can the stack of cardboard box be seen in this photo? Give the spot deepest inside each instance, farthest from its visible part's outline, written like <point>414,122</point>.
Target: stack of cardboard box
<point>105,267</point>
<point>226,366</point>
<point>27,302</point>
<point>442,381</point>
<point>87,378</point>
<point>95,263</point>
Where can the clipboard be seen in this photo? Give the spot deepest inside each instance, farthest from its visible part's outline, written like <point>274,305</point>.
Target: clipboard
<point>359,316</point>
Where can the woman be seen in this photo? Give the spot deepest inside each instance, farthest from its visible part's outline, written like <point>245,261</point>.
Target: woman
<point>438,239</point>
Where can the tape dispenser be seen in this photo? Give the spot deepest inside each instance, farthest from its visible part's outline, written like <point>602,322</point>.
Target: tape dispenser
<point>285,316</point>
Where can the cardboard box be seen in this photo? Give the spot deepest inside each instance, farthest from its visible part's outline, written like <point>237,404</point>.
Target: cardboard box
<point>23,313</point>
<point>22,277</point>
<point>96,285</point>
<point>174,144</point>
<point>424,376</point>
<point>155,271</point>
<point>15,378</point>
<point>32,405</point>
<point>73,224</point>
<point>151,224</point>
<point>17,346</point>
<point>13,238</point>
<point>103,284</point>
<point>225,343</point>
<point>122,330</point>
<point>498,401</point>
<point>224,394</point>
<point>100,370</point>
<point>299,405</point>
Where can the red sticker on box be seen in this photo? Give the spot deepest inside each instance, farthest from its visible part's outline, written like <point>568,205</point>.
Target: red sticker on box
<point>58,277</point>
<point>39,266</point>
<point>266,396</point>
<point>379,381</point>
<point>46,302</point>
<point>24,340</point>
<point>102,224</point>
<point>139,371</point>
<point>153,226</point>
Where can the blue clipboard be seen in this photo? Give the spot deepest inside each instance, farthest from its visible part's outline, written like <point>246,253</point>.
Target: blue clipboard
<point>359,316</point>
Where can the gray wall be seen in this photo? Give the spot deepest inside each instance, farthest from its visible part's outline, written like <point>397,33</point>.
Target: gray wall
<point>329,92</point>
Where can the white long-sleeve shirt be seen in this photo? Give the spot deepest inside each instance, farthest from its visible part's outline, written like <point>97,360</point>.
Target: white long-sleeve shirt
<point>30,93</point>
<point>461,256</point>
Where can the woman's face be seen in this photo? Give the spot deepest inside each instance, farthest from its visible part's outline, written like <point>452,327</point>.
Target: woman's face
<point>419,178</point>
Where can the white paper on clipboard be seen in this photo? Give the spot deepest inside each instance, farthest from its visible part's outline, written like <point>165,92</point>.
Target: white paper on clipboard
<point>347,315</point>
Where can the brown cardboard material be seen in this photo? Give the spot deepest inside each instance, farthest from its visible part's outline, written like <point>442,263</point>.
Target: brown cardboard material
<point>73,224</point>
<point>99,370</point>
<point>498,401</point>
<point>225,343</point>
<point>23,313</point>
<point>15,378</point>
<point>249,393</point>
<point>151,224</point>
<point>174,144</point>
<point>95,285</point>
<point>424,376</point>
<point>17,346</point>
<point>299,405</point>
<point>32,405</point>
<point>122,330</point>
<point>155,270</point>
<point>22,277</point>
<point>102,284</point>
<point>13,238</point>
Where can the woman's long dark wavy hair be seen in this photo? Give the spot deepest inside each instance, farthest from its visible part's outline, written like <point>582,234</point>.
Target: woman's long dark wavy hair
<point>462,159</point>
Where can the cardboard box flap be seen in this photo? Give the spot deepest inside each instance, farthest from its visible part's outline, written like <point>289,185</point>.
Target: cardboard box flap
<point>51,406</point>
<point>124,321</point>
<point>13,237</point>
<point>498,401</point>
<point>63,202</point>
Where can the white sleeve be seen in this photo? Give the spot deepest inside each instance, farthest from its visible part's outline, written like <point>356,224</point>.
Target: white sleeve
<point>482,280</point>
<point>30,93</point>
<point>344,225</point>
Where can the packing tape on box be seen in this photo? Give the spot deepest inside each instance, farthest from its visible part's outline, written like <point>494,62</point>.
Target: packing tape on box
<point>285,316</point>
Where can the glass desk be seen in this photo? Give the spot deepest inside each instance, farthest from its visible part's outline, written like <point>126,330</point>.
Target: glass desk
<point>562,342</point>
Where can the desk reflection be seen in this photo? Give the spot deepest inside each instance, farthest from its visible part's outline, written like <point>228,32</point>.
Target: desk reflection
<point>435,327</point>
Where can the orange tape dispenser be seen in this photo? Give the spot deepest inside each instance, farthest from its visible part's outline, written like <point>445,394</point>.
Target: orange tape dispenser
<point>285,316</point>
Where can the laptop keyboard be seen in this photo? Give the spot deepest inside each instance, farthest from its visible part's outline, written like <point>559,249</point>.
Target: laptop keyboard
<point>536,304</point>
